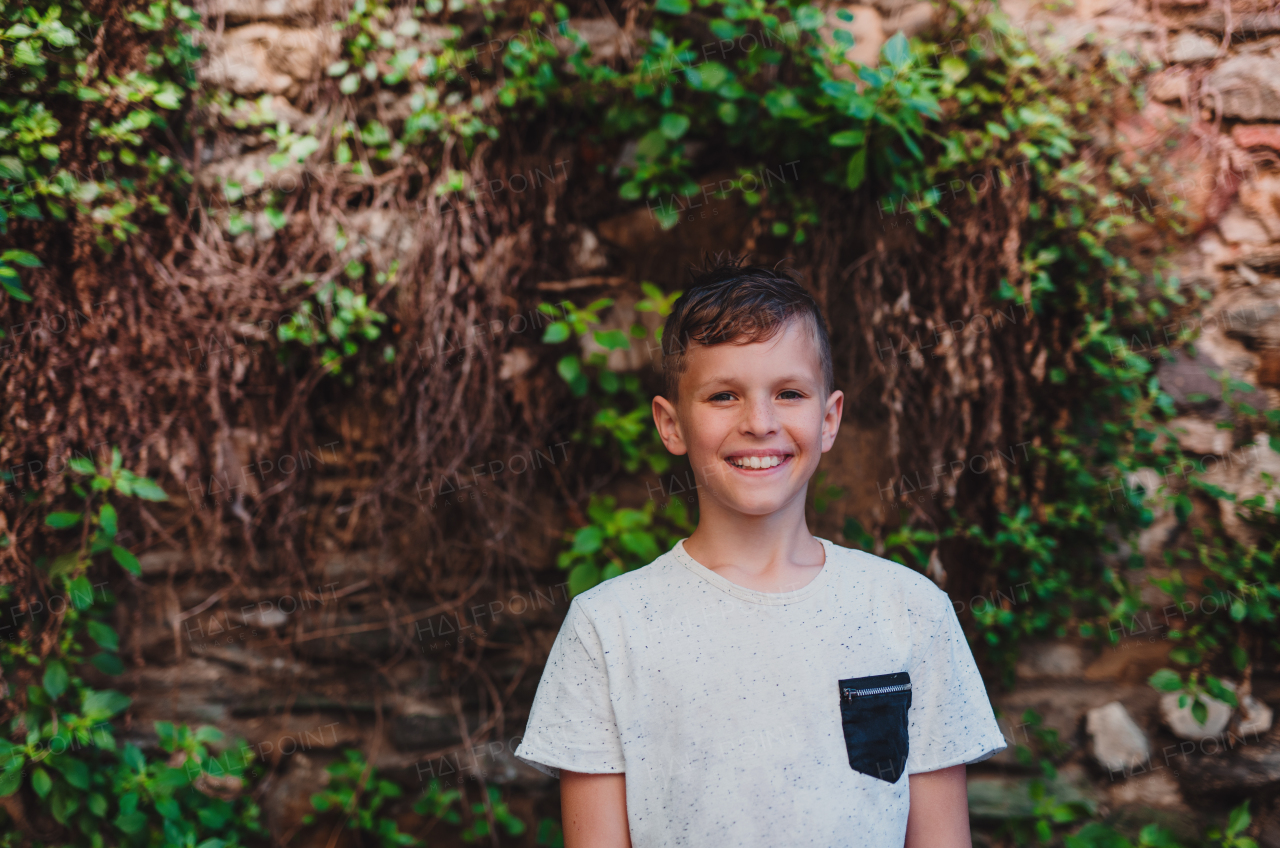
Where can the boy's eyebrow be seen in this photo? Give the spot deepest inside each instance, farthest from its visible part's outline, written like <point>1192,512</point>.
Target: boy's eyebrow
<point>789,378</point>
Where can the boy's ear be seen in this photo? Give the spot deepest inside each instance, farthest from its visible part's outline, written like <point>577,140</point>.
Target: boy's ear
<point>668,424</point>
<point>831,419</point>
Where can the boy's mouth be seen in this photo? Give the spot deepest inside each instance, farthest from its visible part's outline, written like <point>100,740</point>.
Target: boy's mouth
<point>758,461</point>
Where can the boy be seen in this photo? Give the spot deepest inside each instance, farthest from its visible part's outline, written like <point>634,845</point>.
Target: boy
<point>757,686</point>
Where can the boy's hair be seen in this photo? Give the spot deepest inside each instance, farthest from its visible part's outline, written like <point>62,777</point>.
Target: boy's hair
<point>736,304</point>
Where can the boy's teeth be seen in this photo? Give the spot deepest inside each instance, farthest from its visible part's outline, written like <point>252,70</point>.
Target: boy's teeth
<point>757,461</point>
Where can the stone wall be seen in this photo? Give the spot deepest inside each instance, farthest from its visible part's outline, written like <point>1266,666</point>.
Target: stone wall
<point>302,666</point>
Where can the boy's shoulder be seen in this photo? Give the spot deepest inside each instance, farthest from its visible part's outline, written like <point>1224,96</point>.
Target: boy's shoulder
<point>666,580</point>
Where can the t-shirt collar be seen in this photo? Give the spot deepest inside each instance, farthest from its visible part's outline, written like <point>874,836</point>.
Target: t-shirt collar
<point>742,592</point>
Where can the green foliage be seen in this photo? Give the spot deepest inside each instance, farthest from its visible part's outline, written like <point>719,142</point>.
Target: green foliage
<point>615,539</point>
<point>356,791</point>
<point>362,798</point>
<point>338,323</point>
<point>9,279</point>
<point>503,818</point>
<point>1049,814</point>
<point>1193,691</point>
<point>46,48</point>
<point>64,740</point>
<point>1230,837</point>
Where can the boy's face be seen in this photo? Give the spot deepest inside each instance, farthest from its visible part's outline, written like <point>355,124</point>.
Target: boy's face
<point>754,420</point>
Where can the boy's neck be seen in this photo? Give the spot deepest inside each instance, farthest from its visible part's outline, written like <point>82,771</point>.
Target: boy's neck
<point>767,553</point>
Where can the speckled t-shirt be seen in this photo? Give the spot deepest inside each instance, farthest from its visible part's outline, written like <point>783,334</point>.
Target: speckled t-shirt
<point>746,718</point>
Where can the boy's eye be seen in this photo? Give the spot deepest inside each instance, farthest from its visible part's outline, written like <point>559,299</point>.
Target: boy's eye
<point>790,394</point>
<point>722,396</point>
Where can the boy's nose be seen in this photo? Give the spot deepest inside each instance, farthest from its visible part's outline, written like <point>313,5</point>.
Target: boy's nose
<point>760,419</point>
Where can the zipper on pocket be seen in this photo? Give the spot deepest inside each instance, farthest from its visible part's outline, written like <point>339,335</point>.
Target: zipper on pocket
<point>851,692</point>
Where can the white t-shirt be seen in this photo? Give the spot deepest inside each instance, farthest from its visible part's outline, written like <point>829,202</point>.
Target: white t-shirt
<point>762,718</point>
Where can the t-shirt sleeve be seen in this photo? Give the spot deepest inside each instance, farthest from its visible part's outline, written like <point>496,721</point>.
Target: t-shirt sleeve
<point>571,723</point>
<point>951,720</point>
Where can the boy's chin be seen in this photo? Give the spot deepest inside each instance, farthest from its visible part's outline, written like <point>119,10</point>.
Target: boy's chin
<point>757,506</point>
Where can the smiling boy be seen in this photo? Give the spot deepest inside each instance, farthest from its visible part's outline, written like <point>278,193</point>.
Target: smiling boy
<point>758,686</point>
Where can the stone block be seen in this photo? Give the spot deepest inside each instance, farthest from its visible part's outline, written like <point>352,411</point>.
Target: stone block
<point>1257,135</point>
<point>868,33</point>
<point>1169,86</point>
<point>586,255</point>
<point>1249,84</point>
<point>1189,377</point>
<point>1116,741</point>
<point>161,563</point>
<point>1183,724</point>
<point>1254,717</point>
<point>1049,660</point>
<point>423,732</point>
<point>603,36</point>
<point>1250,25</point>
<point>1155,789</point>
<point>1238,226</point>
<point>1134,659</point>
<point>1260,197</point>
<point>261,10</point>
<point>266,57</point>
<point>1245,472</point>
<point>1229,765</point>
<point>999,797</point>
<point>1189,46</point>
<point>910,20</point>
<point>1202,436</point>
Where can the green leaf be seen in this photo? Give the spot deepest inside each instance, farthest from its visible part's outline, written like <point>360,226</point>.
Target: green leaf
<point>1166,680</point>
<point>107,663</point>
<point>81,465</point>
<point>55,679</point>
<point>127,560</point>
<point>81,591</point>
<point>105,703</point>
<point>75,771</point>
<point>674,126</point>
<point>62,519</point>
<point>613,340</point>
<point>809,17</point>
<point>583,578</point>
<point>673,7</point>
<point>1238,819</point>
<point>131,823</point>
<point>848,138</point>
<point>148,490</point>
<point>11,779</point>
<point>896,51</point>
<point>556,332</point>
<point>954,68</point>
<point>569,368</point>
<point>107,519</point>
<point>104,635</point>
<point>97,804</point>
<point>1200,711</point>
<point>208,733</point>
<point>11,168</point>
<point>41,782</point>
<point>856,172</point>
<point>588,540</point>
<point>21,257</point>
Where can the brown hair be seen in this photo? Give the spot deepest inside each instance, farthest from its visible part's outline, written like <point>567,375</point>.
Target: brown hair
<point>732,303</point>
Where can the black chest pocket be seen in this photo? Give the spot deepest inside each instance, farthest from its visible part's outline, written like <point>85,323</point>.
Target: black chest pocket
<point>873,711</point>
